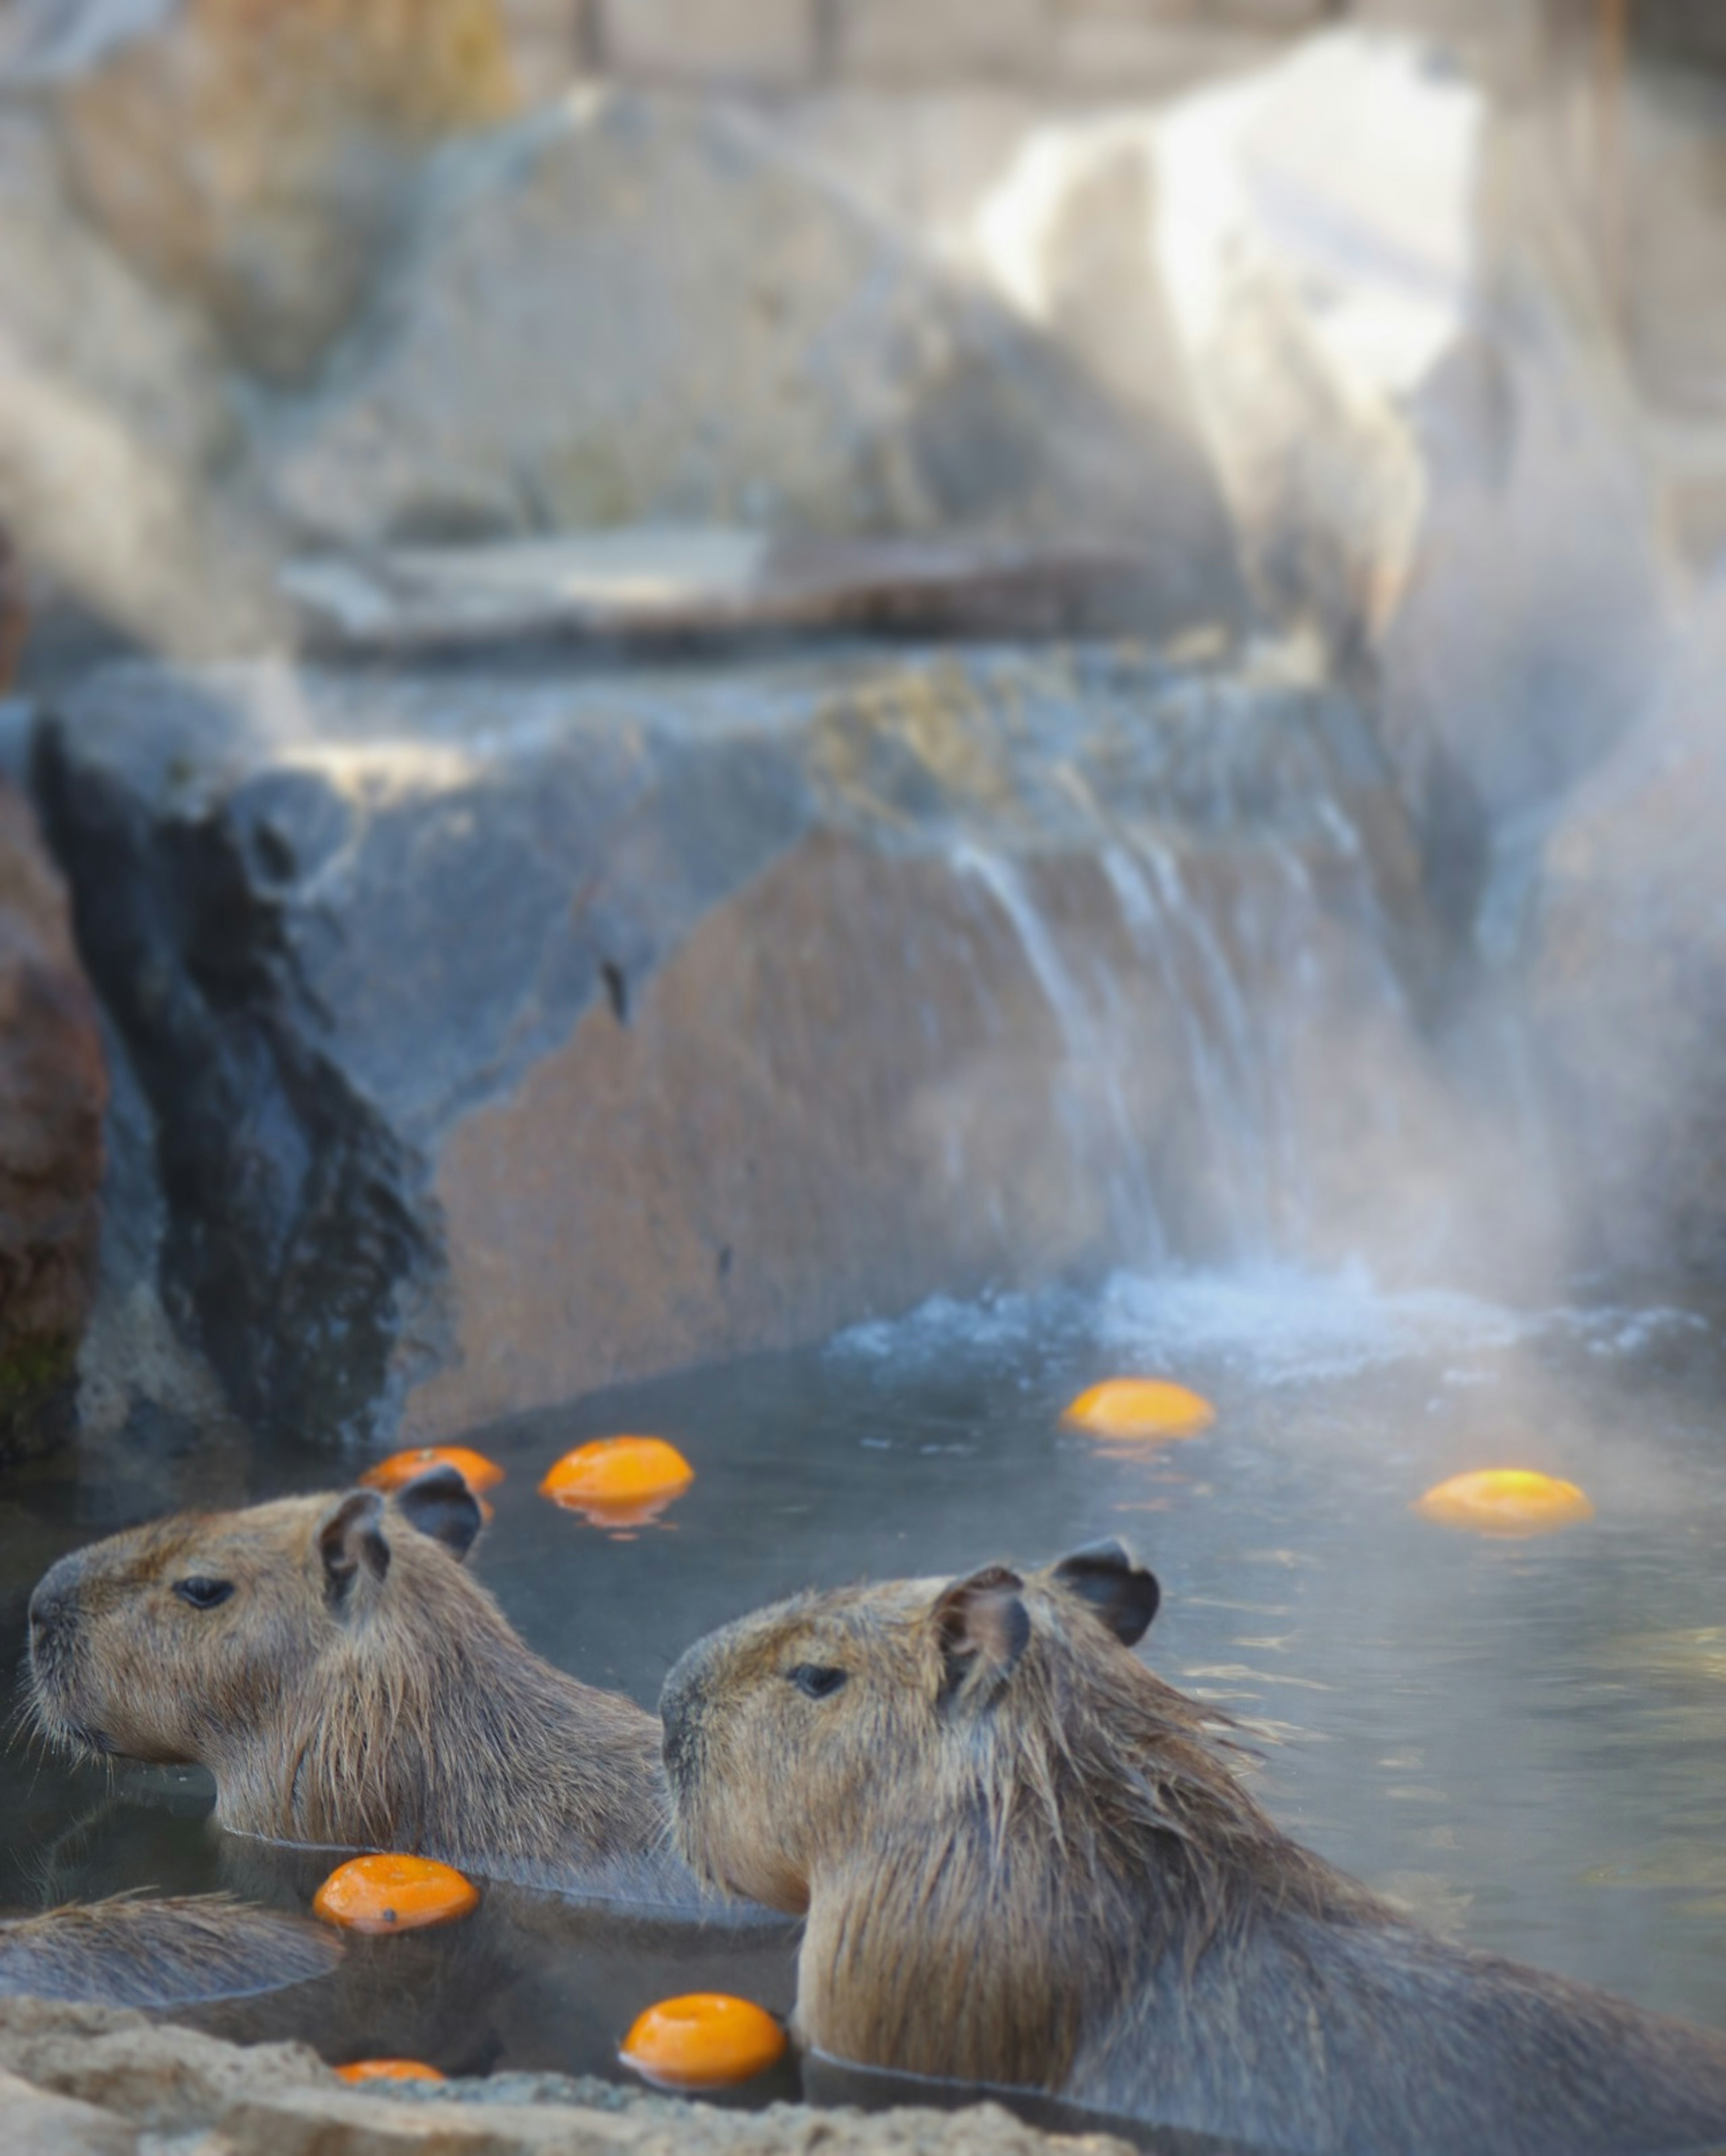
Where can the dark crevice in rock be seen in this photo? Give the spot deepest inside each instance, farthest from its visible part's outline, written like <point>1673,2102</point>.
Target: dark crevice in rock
<point>294,1248</point>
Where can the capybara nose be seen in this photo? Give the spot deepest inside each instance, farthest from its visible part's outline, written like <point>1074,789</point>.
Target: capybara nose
<point>53,1603</point>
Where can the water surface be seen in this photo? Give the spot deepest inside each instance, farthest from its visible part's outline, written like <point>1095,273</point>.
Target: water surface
<point>1524,1741</point>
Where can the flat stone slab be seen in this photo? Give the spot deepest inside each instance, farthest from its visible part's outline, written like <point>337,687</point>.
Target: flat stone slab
<point>667,581</point>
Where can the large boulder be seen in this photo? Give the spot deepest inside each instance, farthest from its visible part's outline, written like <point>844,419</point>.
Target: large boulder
<point>53,1091</point>
<point>510,1034</point>
<point>639,310</point>
<point>116,428</point>
<point>257,156</point>
<point>1628,982</point>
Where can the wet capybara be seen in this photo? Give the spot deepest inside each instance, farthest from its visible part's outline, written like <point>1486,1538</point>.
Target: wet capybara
<point>171,1951</point>
<point>1025,1859</point>
<point>348,1684</point>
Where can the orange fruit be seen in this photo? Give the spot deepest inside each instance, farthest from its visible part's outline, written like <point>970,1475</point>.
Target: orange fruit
<point>619,1481</point>
<point>704,2041</point>
<point>1506,1500</point>
<point>389,2069</point>
<point>393,1894</point>
<point>475,1469</point>
<point>1140,1406</point>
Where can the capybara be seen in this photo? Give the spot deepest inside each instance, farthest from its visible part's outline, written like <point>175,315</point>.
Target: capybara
<point>348,1684</point>
<point>1025,1859</point>
<point>167,1951</point>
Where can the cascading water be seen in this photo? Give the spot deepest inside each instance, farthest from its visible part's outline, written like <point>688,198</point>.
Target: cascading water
<point>1231,1023</point>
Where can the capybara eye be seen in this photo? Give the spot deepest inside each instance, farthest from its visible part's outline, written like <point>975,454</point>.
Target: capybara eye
<point>817,1679</point>
<point>203,1594</point>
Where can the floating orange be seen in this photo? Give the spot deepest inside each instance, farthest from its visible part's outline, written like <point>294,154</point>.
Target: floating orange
<point>704,2041</point>
<point>395,1473</point>
<point>1506,1500</point>
<point>393,1894</point>
<point>619,1481</point>
<point>389,2069</point>
<point>1140,1406</point>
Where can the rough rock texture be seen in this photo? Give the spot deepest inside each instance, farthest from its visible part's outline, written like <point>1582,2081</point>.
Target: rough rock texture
<point>513,1033</point>
<point>637,310</point>
<point>1385,318</point>
<point>1628,982</point>
<point>37,2124</point>
<point>256,156</point>
<point>114,428</point>
<point>99,2078</point>
<point>53,1090</point>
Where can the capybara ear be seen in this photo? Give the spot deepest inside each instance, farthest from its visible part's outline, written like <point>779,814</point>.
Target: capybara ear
<point>981,1624</point>
<point>350,1535</point>
<point>1117,1586</point>
<point>441,1505</point>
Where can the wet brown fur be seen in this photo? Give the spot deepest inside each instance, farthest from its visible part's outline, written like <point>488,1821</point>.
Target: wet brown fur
<point>160,1952</point>
<point>387,1704</point>
<point>1026,1861</point>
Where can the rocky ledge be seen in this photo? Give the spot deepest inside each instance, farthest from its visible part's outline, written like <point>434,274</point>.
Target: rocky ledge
<point>512,1030</point>
<point>78,2081</point>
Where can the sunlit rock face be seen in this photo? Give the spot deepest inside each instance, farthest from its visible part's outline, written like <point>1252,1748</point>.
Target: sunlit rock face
<point>1628,981</point>
<point>115,423</point>
<point>53,1091</point>
<point>511,1034</point>
<point>637,310</point>
<point>1368,286</point>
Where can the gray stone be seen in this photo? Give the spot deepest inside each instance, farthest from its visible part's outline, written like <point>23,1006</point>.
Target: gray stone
<point>768,43</point>
<point>637,311</point>
<point>115,423</point>
<point>513,1033</point>
<point>924,41</point>
<point>661,583</point>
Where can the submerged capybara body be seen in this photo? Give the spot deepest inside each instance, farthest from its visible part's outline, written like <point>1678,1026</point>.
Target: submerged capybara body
<point>171,1951</point>
<point>348,1684</point>
<point>1026,1861</point>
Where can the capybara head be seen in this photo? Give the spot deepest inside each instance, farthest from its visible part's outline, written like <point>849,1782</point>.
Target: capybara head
<point>175,1642</point>
<point>333,1665</point>
<point>1023,1860</point>
<point>792,1736</point>
<point>977,1794</point>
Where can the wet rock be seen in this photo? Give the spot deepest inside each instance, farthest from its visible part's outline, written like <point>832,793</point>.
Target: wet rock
<point>511,1033</point>
<point>1628,982</point>
<point>631,309</point>
<point>257,159</point>
<point>53,1091</point>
